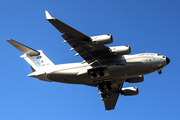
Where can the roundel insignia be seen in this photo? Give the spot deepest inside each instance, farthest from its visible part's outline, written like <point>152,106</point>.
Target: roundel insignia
<point>38,57</point>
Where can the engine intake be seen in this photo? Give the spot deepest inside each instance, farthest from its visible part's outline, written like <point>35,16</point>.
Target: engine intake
<point>120,50</point>
<point>102,39</point>
<point>129,91</point>
<point>135,79</point>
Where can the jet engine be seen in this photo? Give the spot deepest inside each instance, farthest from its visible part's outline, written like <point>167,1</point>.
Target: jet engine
<point>102,39</point>
<point>129,91</point>
<point>120,50</point>
<point>135,79</point>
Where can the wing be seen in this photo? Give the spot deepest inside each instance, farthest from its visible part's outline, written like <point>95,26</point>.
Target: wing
<point>91,53</point>
<point>110,101</point>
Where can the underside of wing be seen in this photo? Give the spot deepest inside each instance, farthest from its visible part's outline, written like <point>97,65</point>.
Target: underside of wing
<point>88,50</point>
<point>111,101</point>
<point>111,98</point>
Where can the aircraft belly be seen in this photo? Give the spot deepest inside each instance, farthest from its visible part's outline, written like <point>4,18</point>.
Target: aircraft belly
<point>56,77</point>
<point>70,77</point>
<point>136,69</point>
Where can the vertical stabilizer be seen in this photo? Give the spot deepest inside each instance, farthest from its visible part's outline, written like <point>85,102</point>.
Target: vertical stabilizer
<point>38,61</point>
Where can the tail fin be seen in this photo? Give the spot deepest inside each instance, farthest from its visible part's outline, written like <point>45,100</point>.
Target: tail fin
<point>36,59</point>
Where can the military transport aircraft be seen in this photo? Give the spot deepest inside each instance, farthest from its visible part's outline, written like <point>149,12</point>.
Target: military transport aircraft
<point>104,67</point>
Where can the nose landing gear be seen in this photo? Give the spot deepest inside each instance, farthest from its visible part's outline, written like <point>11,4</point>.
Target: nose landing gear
<point>160,71</point>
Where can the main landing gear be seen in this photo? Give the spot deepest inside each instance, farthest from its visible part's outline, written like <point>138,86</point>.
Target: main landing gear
<point>92,73</point>
<point>95,73</point>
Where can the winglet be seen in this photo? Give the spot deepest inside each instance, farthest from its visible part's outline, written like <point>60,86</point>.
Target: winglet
<point>48,16</point>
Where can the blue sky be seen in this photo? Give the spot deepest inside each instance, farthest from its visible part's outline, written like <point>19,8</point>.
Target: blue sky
<point>145,25</point>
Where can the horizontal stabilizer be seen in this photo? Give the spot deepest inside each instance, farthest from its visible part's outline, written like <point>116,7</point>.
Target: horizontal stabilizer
<point>24,49</point>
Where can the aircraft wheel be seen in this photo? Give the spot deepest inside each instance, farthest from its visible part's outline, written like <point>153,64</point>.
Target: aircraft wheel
<point>101,87</point>
<point>109,86</point>
<point>101,73</point>
<point>159,71</point>
<point>92,73</point>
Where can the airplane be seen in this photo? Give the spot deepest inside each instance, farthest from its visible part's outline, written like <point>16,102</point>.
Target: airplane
<point>106,68</point>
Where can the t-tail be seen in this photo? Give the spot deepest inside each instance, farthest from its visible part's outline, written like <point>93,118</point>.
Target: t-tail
<point>38,61</point>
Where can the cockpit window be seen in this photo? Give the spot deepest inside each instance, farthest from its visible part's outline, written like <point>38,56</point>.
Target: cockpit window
<point>161,55</point>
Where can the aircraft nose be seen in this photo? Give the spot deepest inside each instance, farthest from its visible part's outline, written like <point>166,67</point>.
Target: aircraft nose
<point>167,60</point>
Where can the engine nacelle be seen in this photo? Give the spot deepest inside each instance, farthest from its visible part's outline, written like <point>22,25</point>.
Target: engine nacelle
<point>129,91</point>
<point>135,79</point>
<point>120,50</point>
<point>102,39</point>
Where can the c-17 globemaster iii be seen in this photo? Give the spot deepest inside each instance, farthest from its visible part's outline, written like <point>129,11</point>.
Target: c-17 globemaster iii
<point>106,68</point>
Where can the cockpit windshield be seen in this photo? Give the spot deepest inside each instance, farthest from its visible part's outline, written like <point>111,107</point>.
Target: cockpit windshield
<point>161,55</point>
